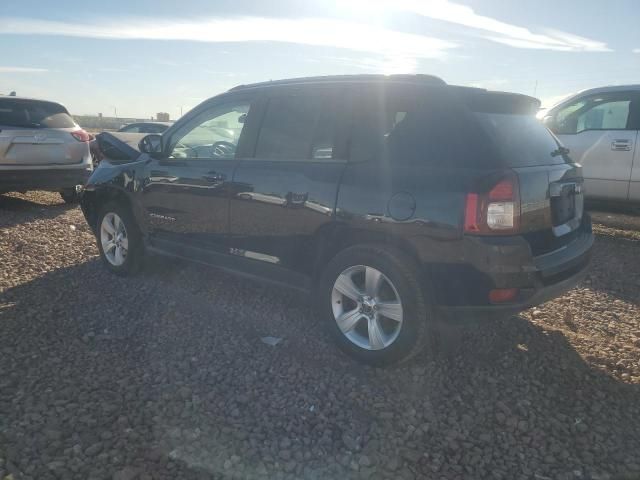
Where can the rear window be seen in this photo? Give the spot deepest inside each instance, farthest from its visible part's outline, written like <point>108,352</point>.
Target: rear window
<point>522,140</point>
<point>34,114</point>
<point>509,122</point>
<point>451,127</point>
<point>418,127</point>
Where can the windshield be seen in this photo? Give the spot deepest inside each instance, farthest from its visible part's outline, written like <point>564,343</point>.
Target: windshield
<point>34,114</point>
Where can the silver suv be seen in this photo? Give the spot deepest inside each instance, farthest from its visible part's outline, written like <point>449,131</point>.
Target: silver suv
<point>41,148</point>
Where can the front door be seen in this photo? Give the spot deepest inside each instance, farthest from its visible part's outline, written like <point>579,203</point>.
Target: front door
<point>290,187</point>
<point>597,131</point>
<point>186,195</point>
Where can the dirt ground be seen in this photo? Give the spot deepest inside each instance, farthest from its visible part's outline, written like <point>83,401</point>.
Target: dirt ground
<point>164,376</point>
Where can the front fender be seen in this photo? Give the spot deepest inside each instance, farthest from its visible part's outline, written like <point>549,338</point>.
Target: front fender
<point>121,182</point>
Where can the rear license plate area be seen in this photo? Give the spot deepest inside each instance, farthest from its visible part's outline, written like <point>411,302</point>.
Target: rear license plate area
<point>563,206</point>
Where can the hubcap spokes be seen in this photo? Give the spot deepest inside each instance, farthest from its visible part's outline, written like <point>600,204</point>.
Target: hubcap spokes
<point>114,239</point>
<point>367,308</point>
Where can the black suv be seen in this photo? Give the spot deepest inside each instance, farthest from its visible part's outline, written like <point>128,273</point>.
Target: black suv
<point>395,200</point>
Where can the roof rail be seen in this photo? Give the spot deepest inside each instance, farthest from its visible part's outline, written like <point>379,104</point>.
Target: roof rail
<point>409,78</point>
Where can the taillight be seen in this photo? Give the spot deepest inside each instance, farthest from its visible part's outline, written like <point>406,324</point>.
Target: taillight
<point>81,136</point>
<point>503,295</point>
<point>496,211</point>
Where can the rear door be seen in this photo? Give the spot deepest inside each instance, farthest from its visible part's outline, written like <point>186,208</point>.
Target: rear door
<point>286,194</point>
<point>186,194</point>
<point>34,133</point>
<point>599,135</point>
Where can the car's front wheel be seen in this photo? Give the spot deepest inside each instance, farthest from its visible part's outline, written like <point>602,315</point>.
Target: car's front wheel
<point>375,305</point>
<point>119,239</point>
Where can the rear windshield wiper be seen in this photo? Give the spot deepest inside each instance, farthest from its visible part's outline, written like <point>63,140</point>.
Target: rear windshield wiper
<point>560,151</point>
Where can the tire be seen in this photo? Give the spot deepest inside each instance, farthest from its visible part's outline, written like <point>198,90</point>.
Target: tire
<point>374,338</point>
<point>117,231</point>
<point>70,195</point>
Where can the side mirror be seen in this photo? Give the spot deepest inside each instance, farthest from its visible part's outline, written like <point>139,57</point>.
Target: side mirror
<point>151,144</point>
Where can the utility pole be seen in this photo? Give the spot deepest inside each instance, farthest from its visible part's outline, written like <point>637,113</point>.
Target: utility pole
<point>535,88</point>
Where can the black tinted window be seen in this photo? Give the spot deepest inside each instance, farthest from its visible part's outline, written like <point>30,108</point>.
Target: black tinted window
<point>31,114</point>
<point>298,127</point>
<point>135,128</point>
<point>420,127</point>
<point>522,140</point>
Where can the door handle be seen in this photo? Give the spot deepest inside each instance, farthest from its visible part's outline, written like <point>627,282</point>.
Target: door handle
<point>621,145</point>
<point>214,177</point>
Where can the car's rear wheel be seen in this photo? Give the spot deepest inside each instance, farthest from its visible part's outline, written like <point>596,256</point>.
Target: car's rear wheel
<point>375,304</point>
<point>70,195</point>
<point>119,239</point>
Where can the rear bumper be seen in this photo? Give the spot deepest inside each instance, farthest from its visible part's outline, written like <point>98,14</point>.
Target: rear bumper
<point>44,179</point>
<point>510,264</point>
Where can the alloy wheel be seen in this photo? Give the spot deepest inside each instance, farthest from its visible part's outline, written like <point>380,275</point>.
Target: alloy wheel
<point>114,239</point>
<point>366,307</point>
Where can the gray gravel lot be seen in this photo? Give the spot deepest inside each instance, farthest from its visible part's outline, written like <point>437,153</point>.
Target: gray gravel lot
<point>164,375</point>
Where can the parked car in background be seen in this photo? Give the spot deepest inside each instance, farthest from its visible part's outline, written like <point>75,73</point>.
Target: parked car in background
<point>42,148</point>
<point>600,128</point>
<point>393,201</point>
<point>145,127</point>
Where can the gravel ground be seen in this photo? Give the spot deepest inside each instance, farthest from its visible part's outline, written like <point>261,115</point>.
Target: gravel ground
<point>164,375</point>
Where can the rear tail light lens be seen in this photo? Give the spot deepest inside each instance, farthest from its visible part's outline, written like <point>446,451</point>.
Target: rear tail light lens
<point>501,215</point>
<point>81,136</point>
<point>496,211</point>
<point>503,295</point>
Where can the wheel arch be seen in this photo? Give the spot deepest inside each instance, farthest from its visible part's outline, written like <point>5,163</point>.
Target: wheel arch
<point>93,200</point>
<point>337,237</point>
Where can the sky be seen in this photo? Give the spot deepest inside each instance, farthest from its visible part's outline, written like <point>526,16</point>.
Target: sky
<point>136,58</point>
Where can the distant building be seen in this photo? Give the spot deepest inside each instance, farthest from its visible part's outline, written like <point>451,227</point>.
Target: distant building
<point>162,116</point>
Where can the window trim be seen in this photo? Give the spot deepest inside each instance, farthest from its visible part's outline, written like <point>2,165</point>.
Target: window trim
<point>631,96</point>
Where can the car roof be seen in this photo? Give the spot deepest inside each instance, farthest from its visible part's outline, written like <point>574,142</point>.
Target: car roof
<point>27,99</point>
<point>376,79</point>
<point>417,79</point>
<point>34,100</point>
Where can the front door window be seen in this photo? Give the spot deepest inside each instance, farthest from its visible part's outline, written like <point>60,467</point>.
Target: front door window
<point>213,134</point>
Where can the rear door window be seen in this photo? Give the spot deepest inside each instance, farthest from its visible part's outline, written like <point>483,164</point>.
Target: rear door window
<point>299,127</point>
<point>34,114</point>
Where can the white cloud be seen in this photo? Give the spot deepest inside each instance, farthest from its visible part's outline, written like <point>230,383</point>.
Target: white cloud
<point>22,70</point>
<point>487,27</point>
<point>307,31</point>
<point>384,65</point>
<point>635,50</point>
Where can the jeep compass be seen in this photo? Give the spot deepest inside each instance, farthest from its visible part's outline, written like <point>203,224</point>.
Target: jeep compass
<point>394,200</point>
